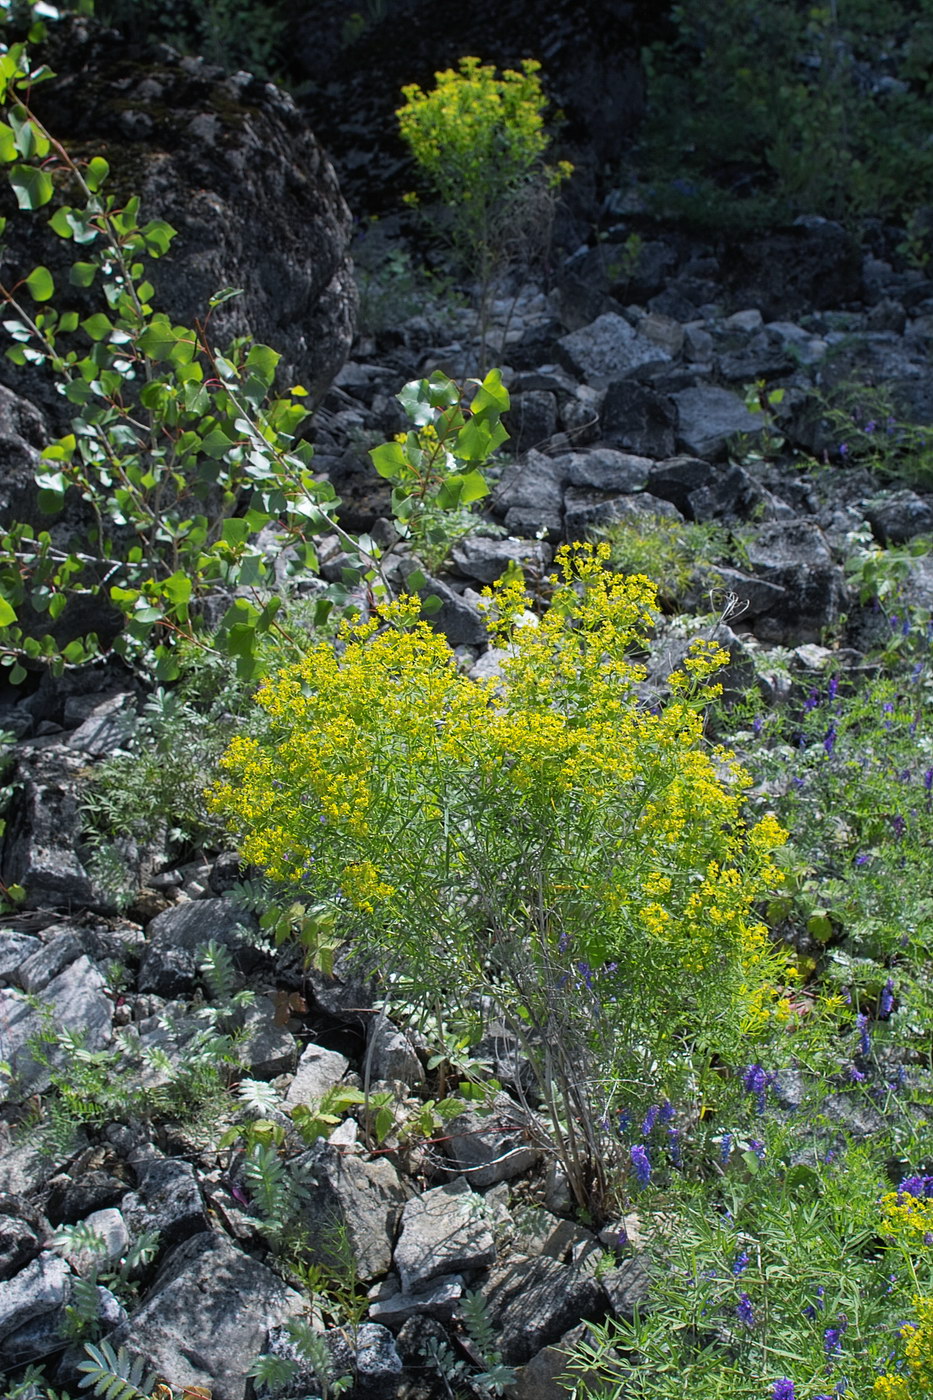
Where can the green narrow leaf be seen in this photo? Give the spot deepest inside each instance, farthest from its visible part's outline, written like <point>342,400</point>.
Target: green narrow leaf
<point>32,186</point>
<point>40,284</point>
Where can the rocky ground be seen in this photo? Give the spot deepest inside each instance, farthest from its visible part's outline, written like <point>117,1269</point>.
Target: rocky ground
<point>629,378</point>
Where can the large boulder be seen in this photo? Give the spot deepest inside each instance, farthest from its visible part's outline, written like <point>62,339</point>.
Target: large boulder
<point>231,164</point>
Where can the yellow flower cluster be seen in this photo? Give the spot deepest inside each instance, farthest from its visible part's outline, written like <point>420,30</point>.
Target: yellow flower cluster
<point>917,1382</point>
<point>907,1217</point>
<point>548,806</point>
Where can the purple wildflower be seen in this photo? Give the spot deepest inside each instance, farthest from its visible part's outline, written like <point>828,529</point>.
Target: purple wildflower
<point>783,1390</point>
<point>843,452</point>
<point>870,426</point>
<point>758,1147</point>
<point>586,972</point>
<point>640,1164</point>
<point>740,1263</point>
<point>832,1337</point>
<point>725,1148</point>
<point>832,688</point>
<point>667,1111</point>
<point>864,1038</point>
<point>829,743</point>
<point>921,1187</point>
<point>862,858</point>
<point>928,780</point>
<point>758,725</point>
<point>650,1119</point>
<point>756,1081</point>
<point>855,1075</point>
<point>899,825</point>
<point>744,1311</point>
<point>813,699</point>
<point>886,1000</point>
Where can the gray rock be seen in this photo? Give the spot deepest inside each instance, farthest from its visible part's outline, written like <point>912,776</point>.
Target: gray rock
<point>20,1239</point>
<point>108,726</point>
<point>367,1353</point>
<point>206,1316</point>
<point>168,1199</point>
<point>639,419</point>
<point>391,1054</point>
<point>702,491</point>
<point>854,1114</point>
<point>485,558</point>
<point>533,1302</point>
<point>531,420</point>
<point>15,948</point>
<point>24,1169</point>
<point>266,1049</point>
<point>351,1206</point>
<point>443,1232</point>
<point>531,488</point>
<point>627,1286</point>
<point>607,349</point>
<point>296,272</point>
<point>754,596</point>
<point>439,1299</point>
<point>76,1002</point>
<point>899,516</point>
<point>50,959</point>
<point>492,1146</point>
<point>708,417</point>
<point>811,265</point>
<point>794,555</point>
<point>43,830</point>
<point>539,1378</point>
<point>41,1290</point>
<point>110,1227</point>
<point>318,1071</point>
<point>23,435</point>
<point>606,469</point>
<point>169,964</point>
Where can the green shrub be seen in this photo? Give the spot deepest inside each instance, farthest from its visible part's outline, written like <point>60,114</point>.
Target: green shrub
<point>760,109</point>
<point>542,841</point>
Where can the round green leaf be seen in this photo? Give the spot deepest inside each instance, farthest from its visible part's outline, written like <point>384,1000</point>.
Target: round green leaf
<point>32,187</point>
<point>40,284</point>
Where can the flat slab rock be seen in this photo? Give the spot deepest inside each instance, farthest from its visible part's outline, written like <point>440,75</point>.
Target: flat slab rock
<point>206,1318</point>
<point>532,1303</point>
<point>443,1232</point>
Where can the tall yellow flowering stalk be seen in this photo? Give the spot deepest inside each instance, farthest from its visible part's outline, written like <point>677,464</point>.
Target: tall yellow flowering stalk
<point>479,140</point>
<point>542,845</point>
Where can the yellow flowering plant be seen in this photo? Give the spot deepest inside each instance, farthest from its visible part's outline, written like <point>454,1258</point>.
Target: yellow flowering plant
<point>479,140</point>
<point>540,848</point>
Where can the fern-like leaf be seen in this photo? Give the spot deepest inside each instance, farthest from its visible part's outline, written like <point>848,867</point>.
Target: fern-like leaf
<point>115,1375</point>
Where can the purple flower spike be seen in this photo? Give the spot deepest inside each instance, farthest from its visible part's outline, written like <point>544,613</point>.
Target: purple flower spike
<point>886,1000</point>
<point>741,1263</point>
<point>725,1148</point>
<point>640,1164</point>
<point>651,1117</point>
<point>745,1312</point>
<point>829,743</point>
<point>783,1389</point>
<point>864,1038</point>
